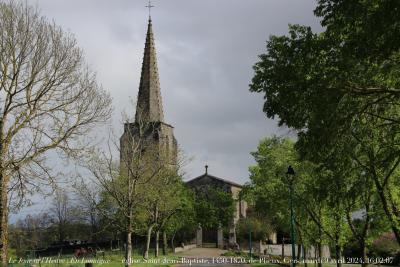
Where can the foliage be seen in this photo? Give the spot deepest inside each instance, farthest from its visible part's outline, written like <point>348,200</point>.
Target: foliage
<point>39,231</point>
<point>319,215</point>
<point>164,200</point>
<point>339,90</point>
<point>260,228</point>
<point>273,156</point>
<point>385,246</point>
<point>182,225</point>
<point>31,233</point>
<point>213,206</point>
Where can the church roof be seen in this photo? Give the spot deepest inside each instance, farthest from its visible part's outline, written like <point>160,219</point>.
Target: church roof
<point>149,103</point>
<point>206,175</point>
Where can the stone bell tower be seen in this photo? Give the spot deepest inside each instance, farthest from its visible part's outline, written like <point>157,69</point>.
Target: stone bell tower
<point>149,122</point>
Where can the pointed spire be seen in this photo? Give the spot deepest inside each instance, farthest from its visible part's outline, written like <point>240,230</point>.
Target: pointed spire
<point>149,104</point>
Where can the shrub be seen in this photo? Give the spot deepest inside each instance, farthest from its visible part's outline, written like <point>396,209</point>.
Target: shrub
<point>386,246</point>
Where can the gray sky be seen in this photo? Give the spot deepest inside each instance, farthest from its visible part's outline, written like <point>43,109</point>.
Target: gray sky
<point>205,49</point>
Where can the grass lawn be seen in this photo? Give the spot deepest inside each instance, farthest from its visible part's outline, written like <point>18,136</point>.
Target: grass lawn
<point>114,259</point>
<point>113,264</point>
<point>301,265</point>
<point>108,264</point>
<point>264,265</point>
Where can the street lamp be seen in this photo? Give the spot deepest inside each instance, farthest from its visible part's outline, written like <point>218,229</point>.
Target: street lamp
<point>250,245</point>
<point>290,176</point>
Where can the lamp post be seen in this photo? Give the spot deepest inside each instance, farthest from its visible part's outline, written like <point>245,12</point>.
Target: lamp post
<point>250,245</point>
<point>290,176</point>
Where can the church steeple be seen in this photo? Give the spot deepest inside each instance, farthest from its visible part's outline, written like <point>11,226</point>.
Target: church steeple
<point>149,103</point>
<point>149,129</point>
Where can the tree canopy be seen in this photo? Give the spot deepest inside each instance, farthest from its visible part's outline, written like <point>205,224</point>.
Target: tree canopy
<point>339,89</point>
<point>213,206</point>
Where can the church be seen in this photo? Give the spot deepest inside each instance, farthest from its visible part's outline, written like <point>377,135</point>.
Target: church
<point>206,181</point>
<point>149,112</point>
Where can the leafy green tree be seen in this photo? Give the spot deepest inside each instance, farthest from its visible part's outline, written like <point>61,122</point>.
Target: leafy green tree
<point>183,223</point>
<point>260,228</point>
<point>273,156</point>
<point>214,206</point>
<point>341,86</point>
<point>319,216</point>
<point>167,199</point>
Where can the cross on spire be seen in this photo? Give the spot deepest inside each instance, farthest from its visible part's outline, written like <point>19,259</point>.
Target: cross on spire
<point>149,6</point>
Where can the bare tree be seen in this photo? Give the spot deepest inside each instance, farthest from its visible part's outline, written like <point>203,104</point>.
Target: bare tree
<point>88,198</point>
<point>48,100</point>
<point>63,213</point>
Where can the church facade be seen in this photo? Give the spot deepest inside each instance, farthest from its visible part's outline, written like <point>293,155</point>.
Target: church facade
<point>206,181</point>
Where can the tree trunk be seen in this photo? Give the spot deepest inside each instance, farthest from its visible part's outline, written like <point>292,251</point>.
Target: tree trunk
<point>319,246</point>
<point>283,248</point>
<point>388,211</point>
<point>93,229</point>
<point>172,242</point>
<point>361,237</point>
<point>298,252</point>
<point>61,230</point>
<point>3,218</point>
<point>305,256</point>
<point>128,249</point>
<point>338,252</point>
<point>147,247</point>
<point>157,241</point>
<point>319,258</point>
<point>165,243</point>
<point>364,254</point>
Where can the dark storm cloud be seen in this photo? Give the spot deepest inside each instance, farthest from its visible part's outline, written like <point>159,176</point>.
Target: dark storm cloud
<point>206,49</point>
